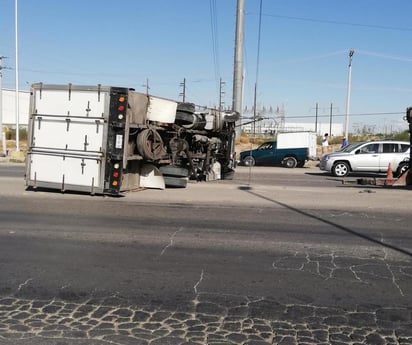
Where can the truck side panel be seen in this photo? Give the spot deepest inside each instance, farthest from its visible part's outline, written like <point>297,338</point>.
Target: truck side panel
<point>70,102</point>
<point>68,134</point>
<point>161,110</point>
<point>65,170</point>
<point>299,153</point>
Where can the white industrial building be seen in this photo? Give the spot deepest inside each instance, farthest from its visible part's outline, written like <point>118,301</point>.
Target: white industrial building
<point>8,108</point>
<point>271,127</point>
<point>270,121</point>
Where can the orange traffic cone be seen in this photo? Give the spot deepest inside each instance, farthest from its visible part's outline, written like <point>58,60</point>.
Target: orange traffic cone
<point>389,174</point>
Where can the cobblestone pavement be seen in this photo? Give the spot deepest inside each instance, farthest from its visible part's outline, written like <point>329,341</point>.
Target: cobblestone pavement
<point>209,319</point>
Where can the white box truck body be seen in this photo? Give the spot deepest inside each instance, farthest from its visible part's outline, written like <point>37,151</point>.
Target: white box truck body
<point>289,140</point>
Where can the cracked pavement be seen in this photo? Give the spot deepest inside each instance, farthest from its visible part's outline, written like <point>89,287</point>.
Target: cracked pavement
<point>365,271</point>
<point>153,269</point>
<point>209,319</point>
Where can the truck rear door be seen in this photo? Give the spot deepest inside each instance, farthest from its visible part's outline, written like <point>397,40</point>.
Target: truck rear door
<point>68,137</point>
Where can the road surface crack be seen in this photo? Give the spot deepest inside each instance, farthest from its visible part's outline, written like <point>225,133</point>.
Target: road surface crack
<point>171,241</point>
<point>198,283</point>
<point>24,284</point>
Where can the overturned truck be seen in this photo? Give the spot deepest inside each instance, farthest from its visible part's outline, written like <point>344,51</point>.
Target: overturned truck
<point>108,140</point>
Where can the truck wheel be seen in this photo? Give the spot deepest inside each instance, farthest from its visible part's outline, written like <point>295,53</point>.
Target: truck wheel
<point>150,144</point>
<point>186,107</point>
<point>171,170</point>
<point>228,174</point>
<point>290,162</point>
<point>249,161</point>
<point>402,168</point>
<point>198,122</point>
<point>184,118</point>
<point>175,182</point>
<point>340,169</point>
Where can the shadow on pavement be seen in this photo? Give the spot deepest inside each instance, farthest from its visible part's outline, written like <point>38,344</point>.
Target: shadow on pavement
<point>340,227</point>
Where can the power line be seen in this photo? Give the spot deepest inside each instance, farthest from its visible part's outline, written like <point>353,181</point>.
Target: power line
<point>385,56</point>
<point>258,41</point>
<point>335,22</point>
<point>215,45</point>
<point>342,115</point>
<point>257,62</point>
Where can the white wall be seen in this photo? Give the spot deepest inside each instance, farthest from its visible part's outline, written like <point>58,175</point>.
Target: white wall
<point>9,108</point>
<point>322,128</point>
<point>270,127</point>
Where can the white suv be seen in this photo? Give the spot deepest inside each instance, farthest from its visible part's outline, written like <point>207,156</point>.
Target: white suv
<point>371,156</point>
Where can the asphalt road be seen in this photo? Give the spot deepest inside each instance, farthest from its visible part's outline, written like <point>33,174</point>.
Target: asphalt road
<point>16,170</point>
<point>276,256</point>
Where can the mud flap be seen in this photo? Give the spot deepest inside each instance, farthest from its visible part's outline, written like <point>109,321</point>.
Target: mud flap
<point>151,177</point>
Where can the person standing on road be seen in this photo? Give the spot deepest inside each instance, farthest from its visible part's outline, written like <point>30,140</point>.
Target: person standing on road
<point>345,143</point>
<point>325,143</point>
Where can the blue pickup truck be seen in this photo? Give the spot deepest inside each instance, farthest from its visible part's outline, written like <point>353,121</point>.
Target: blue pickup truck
<point>269,154</point>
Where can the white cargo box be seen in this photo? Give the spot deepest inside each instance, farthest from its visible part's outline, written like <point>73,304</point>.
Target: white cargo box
<point>292,140</point>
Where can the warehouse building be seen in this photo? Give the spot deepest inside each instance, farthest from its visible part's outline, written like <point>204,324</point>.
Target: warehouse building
<point>8,108</point>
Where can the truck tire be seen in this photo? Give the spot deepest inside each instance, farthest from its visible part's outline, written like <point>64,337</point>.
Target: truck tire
<point>186,107</point>
<point>150,144</point>
<point>184,118</point>
<point>198,122</point>
<point>175,171</point>
<point>402,168</point>
<point>340,169</point>
<point>290,162</point>
<point>175,182</point>
<point>300,164</point>
<point>249,161</point>
<point>228,174</point>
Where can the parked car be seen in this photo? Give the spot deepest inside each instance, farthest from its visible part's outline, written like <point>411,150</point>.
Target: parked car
<point>371,156</point>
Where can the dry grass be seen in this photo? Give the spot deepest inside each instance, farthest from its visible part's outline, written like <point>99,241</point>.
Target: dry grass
<point>11,145</point>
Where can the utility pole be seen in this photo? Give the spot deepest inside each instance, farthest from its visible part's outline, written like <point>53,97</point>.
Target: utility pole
<point>147,86</point>
<point>351,52</point>
<point>316,118</point>
<point>221,93</point>
<point>330,119</point>
<point>254,112</point>
<point>183,93</point>
<point>2,135</point>
<point>238,62</point>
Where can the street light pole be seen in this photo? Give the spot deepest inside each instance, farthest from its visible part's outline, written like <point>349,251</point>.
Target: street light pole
<point>17,80</point>
<point>351,52</point>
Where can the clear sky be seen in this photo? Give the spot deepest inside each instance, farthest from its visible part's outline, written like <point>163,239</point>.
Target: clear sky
<point>303,57</point>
